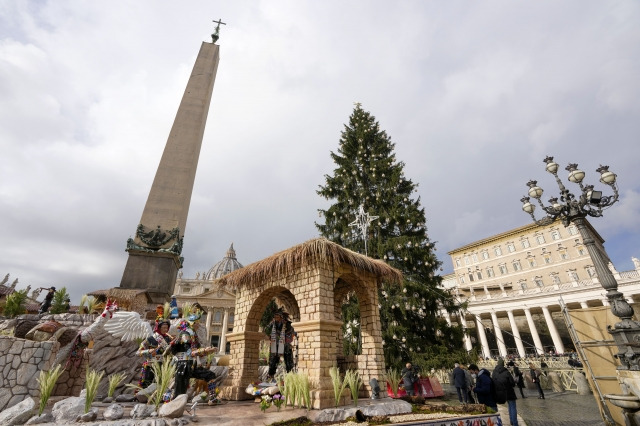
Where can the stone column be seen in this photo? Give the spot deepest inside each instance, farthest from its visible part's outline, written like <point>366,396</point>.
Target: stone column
<point>223,333</point>
<point>516,334</point>
<point>209,317</point>
<point>534,331</point>
<point>467,340</point>
<point>502,348</point>
<point>243,364</point>
<point>502,290</point>
<point>447,317</point>
<point>486,292</point>
<point>486,352</point>
<point>555,336</point>
<point>316,356</point>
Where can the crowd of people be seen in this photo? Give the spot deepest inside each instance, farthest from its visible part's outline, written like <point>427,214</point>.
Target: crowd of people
<point>478,385</point>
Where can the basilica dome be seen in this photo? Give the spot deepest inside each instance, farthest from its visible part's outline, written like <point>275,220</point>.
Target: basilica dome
<point>229,263</point>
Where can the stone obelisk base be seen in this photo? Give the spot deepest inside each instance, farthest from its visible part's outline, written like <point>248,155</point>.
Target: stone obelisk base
<point>155,273</point>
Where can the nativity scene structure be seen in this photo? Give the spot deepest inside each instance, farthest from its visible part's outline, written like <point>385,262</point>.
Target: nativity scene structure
<point>311,281</point>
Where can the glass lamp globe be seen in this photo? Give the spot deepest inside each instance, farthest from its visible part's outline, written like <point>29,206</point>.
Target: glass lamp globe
<point>528,207</point>
<point>552,167</point>
<point>576,176</point>
<point>608,177</point>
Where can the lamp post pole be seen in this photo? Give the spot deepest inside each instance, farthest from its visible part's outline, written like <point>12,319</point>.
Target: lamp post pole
<point>574,209</point>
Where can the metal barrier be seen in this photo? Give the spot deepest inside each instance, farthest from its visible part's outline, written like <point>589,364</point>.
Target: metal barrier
<point>567,375</point>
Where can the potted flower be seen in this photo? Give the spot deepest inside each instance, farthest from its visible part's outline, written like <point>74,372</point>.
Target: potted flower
<point>278,400</point>
<point>265,402</point>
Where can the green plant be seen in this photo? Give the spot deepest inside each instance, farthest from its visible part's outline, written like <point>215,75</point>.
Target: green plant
<point>59,303</point>
<point>265,402</point>
<point>278,400</point>
<point>393,378</point>
<point>114,382</point>
<point>263,352</point>
<point>187,309</point>
<point>91,385</point>
<point>46,382</point>
<point>352,378</point>
<point>209,359</point>
<point>297,390</point>
<point>91,304</point>
<point>15,303</point>
<point>163,374</point>
<point>305,389</point>
<point>338,384</point>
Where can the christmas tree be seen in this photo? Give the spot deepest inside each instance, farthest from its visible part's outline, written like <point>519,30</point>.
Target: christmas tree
<point>368,175</point>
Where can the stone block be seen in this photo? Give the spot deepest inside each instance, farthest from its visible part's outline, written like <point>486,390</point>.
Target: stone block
<point>113,412</point>
<point>5,344</point>
<point>27,353</point>
<point>19,390</point>
<point>16,348</point>
<point>26,373</point>
<point>19,413</point>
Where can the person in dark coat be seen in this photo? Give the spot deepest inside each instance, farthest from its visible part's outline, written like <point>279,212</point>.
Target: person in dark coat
<point>503,379</point>
<point>535,378</point>
<point>518,377</point>
<point>409,377</point>
<point>484,387</point>
<point>460,382</point>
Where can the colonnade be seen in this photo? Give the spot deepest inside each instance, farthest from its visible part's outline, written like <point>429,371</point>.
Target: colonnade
<point>514,330</point>
<point>223,332</point>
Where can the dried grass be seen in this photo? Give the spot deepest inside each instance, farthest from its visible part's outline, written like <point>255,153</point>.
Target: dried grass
<point>319,250</point>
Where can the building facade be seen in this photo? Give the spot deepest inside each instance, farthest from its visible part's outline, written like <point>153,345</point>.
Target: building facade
<point>218,303</point>
<point>515,283</point>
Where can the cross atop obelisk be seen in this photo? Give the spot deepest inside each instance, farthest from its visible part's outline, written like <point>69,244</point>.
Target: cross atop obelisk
<point>155,251</point>
<point>216,33</point>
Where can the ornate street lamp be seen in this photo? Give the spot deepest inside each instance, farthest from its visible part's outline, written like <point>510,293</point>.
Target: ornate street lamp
<point>573,209</point>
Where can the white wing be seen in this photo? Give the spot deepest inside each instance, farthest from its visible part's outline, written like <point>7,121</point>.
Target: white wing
<point>128,326</point>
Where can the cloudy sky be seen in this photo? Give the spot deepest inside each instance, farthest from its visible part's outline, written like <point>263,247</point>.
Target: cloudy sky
<point>474,94</point>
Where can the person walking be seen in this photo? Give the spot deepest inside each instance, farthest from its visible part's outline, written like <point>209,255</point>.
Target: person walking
<point>504,380</point>
<point>517,376</point>
<point>535,378</point>
<point>460,382</point>
<point>484,389</point>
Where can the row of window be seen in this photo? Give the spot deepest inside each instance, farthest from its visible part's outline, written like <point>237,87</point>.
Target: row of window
<point>516,265</point>
<point>511,246</point>
<point>555,277</point>
<point>187,289</point>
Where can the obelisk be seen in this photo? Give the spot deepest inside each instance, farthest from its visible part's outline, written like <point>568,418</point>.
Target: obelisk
<point>155,251</point>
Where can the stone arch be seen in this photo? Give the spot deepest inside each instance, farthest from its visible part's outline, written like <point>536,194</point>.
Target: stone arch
<point>370,361</point>
<point>284,298</point>
<point>305,279</point>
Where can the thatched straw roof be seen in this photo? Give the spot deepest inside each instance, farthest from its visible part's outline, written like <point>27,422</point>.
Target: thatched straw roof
<point>126,294</point>
<point>316,250</point>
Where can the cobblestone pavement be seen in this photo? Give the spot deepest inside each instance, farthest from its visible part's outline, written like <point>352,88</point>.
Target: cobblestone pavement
<point>557,409</point>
